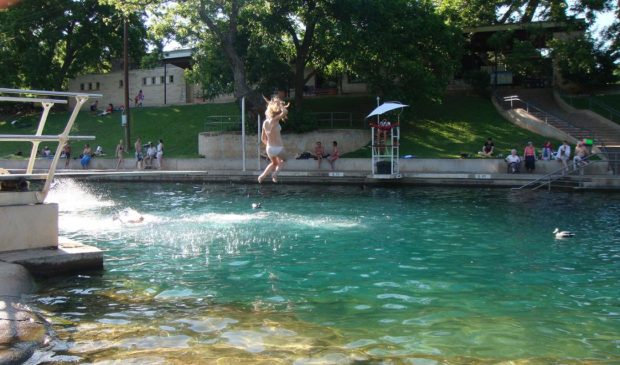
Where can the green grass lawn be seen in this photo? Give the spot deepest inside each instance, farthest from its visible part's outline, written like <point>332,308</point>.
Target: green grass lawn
<point>458,125</point>
<point>178,126</point>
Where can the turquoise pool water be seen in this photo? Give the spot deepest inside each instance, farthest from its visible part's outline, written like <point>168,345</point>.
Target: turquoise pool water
<point>338,274</point>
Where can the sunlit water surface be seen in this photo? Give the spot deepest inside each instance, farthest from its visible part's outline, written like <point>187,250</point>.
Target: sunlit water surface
<point>337,275</point>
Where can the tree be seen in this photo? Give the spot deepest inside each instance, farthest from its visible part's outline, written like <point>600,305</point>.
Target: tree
<point>44,43</point>
<point>584,64</point>
<point>306,28</point>
<point>402,49</point>
<point>584,61</point>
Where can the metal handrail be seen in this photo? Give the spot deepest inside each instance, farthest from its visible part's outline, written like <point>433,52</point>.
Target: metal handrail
<point>547,179</point>
<point>612,112</point>
<point>529,106</point>
<point>30,96</point>
<point>547,115</point>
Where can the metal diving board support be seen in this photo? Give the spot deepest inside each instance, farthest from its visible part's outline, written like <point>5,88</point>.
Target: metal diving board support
<point>33,96</point>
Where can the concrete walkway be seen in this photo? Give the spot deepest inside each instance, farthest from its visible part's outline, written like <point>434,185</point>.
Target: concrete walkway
<point>417,171</point>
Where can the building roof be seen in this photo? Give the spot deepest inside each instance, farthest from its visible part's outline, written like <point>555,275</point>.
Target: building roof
<point>179,57</point>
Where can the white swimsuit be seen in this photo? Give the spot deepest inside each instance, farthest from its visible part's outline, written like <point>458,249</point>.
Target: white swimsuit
<point>273,151</point>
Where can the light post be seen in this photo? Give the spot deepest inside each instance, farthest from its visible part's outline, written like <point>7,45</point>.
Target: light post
<point>127,116</point>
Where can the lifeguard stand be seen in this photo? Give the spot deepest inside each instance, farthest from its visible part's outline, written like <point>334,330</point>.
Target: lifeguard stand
<point>386,151</point>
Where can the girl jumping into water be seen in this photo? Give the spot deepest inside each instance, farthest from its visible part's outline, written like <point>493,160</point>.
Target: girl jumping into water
<point>276,112</point>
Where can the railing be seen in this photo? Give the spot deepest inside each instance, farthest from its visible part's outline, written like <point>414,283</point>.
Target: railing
<point>33,96</point>
<point>594,105</point>
<point>529,107</point>
<point>336,118</point>
<point>608,111</point>
<point>318,120</point>
<point>546,116</point>
<point>222,123</point>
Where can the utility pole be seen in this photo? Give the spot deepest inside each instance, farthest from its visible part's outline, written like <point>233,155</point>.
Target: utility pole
<point>127,115</point>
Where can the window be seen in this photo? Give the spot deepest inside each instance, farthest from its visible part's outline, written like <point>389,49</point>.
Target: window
<point>120,83</point>
<point>162,80</point>
<point>82,86</point>
<point>170,79</point>
<point>90,86</point>
<point>153,80</point>
<point>144,81</point>
<point>98,86</point>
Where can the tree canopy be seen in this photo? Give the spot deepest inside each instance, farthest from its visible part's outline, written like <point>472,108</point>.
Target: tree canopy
<point>44,43</point>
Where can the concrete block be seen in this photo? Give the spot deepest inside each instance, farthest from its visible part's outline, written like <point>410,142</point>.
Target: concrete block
<point>69,257</point>
<point>28,226</point>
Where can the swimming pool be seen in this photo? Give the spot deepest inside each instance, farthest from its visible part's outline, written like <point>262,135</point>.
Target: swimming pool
<point>337,274</point>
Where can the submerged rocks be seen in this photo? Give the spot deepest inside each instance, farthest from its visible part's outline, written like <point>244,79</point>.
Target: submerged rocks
<point>22,331</point>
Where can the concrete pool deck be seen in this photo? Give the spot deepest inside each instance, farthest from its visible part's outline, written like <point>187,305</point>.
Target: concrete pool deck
<point>453,172</point>
<point>416,171</point>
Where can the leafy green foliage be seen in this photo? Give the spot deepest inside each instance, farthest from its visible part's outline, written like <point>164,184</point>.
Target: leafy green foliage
<point>403,48</point>
<point>583,63</point>
<point>44,43</point>
<point>479,81</point>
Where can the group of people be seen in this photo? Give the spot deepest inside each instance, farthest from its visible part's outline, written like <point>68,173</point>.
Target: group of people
<point>94,108</point>
<point>147,153</point>
<point>562,155</point>
<point>319,154</point>
<point>143,160</point>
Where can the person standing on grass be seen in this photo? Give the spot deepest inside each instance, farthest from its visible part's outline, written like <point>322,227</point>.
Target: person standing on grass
<point>120,151</point>
<point>271,137</point>
<point>160,153</point>
<point>139,98</point>
<point>139,157</point>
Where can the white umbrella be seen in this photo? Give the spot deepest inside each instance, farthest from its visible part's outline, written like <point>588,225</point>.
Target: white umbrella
<point>386,107</point>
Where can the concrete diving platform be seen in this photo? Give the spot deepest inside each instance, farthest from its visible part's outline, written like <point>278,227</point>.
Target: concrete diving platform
<point>69,257</point>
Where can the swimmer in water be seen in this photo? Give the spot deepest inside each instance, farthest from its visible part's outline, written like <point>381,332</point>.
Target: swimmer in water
<point>276,111</point>
<point>128,215</point>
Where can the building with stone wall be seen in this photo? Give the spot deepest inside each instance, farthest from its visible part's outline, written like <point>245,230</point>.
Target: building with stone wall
<point>161,86</point>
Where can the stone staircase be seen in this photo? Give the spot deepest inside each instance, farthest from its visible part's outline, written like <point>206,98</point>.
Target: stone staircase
<point>577,124</point>
<point>542,105</point>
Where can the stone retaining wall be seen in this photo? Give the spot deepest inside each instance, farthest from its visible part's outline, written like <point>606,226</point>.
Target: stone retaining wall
<point>414,165</point>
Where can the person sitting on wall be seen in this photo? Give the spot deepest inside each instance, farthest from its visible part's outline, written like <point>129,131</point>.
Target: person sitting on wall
<point>87,155</point>
<point>514,162</point>
<point>488,148</point>
<point>547,151</point>
<point>319,154</point>
<point>47,153</point>
<point>581,152</point>
<point>334,155</point>
<point>151,154</point>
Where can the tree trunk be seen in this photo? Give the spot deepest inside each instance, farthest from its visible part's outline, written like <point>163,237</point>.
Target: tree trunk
<point>227,40</point>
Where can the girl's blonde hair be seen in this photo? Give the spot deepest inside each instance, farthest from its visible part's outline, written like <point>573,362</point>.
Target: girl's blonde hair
<point>274,106</point>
